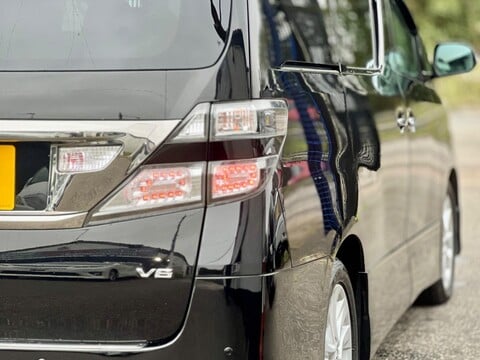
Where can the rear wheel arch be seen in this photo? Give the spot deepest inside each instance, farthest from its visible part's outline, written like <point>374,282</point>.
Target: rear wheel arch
<point>351,254</point>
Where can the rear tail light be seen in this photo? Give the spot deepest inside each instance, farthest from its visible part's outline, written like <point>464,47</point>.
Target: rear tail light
<point>234,178</point>
<point>195,127</point>
<point>229,178</point>
<point>165,186</point>
<point>159,186</point>
<point>249,119</point>
<point>71,160</point>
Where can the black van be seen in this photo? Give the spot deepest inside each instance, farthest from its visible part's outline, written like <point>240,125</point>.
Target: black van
<point>219,179</point>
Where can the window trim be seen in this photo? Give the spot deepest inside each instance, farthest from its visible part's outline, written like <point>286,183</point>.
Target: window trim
<point>378,53</point>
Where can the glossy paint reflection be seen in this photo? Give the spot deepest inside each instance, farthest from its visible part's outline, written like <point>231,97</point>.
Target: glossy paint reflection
<point>87,260</point>
<point>317,194</point>
<point>241,250</point>
<point>99,290</point>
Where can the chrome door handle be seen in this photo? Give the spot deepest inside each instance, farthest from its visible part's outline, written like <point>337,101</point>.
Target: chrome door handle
<point>411,121</point>
<point>402,121</point>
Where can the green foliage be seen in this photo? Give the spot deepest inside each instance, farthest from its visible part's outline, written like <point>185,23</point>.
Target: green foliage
<point>451,20</point>
<point>447,20</point>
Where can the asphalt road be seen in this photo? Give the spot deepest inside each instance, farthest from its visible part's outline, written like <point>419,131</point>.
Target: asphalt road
<point>450,331</point>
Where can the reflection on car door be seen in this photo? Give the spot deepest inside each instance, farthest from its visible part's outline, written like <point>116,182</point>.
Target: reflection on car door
<point>427,183</point>
<point>316,133</point>
<point>380,150</point>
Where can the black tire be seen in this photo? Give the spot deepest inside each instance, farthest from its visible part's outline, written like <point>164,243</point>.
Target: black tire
<point>438,293</point>
<point>340,277</point>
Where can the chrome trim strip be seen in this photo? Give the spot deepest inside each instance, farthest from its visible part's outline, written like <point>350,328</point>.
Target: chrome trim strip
<point>378,40</point>
<point>109,349</point>
<point>70,196</point>
<point>310,68</point>
<point>85,130</point>
<point>233,277</point>
<point>41,221</point>
<point>341,70</point>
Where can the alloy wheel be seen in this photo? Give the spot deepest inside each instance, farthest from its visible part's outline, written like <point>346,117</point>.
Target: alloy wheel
<point>448,244</point>
<point>338,335</point>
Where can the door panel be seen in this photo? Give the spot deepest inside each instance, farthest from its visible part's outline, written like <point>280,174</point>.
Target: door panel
<point>427,132</point>
<point>313,181</point>
<point>381,157</point>
<point>427,184</point>
<point>382,208</point>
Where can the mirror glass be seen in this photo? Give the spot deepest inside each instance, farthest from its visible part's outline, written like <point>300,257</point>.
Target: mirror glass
<point>453,59</point>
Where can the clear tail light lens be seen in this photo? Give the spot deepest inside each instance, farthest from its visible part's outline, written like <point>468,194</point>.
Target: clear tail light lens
<point>195,127</point>
<point>249,119</point>
<point>71,160</point>
<point>159,186</point>
<point>234,119</point>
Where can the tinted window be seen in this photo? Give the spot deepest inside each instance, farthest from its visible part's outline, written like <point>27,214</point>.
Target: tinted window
<point>321,31</point>
<point>111,34</point>
<point>405,59</point>
<point>309,25</point>
<point>348,24</point>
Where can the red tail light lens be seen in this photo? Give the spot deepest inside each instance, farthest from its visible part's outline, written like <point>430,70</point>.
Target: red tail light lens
<point>234,178</point>
<point>240,177</point>
<point>159,186</point>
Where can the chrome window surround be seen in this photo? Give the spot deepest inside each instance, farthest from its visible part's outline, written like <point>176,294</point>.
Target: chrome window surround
<point>378,39</point>
<point>71,196</point>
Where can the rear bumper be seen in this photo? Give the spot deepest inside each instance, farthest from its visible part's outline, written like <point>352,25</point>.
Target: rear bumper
<point>218,318</point>
<point>249,317</point>
<point>246,299</point>
<point>98,284</point>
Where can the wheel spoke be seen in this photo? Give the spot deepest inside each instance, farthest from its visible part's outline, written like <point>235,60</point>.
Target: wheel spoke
<point>448,243</point>
<point>338,335</point>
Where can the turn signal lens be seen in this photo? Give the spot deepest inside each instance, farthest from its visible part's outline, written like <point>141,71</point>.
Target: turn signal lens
<point>159,186</point>
<point>85,159</point>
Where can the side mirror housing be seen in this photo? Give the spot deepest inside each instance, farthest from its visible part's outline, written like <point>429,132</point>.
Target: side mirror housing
<point>453,58</point>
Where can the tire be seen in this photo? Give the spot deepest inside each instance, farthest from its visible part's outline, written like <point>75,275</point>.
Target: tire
<point>340,342</point>
<point>113,275</point>
<point>441,291</point>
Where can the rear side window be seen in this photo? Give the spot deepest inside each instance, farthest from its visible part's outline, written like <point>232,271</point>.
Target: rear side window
<point>349,27</point>
<point>321,31</point>
<point>405,62</point>
<point>112,34</point>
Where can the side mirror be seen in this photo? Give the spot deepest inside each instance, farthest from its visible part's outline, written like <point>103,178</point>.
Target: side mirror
<point>453,58</point>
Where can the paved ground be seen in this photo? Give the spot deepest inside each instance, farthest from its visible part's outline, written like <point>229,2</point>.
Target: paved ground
<point>451,331</point>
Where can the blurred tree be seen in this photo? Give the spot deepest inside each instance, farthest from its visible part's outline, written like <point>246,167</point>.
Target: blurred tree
<point>451,20</point>
<point>444,20</point>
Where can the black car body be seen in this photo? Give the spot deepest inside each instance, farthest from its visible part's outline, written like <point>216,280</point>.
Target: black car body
<point>157,204</point>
